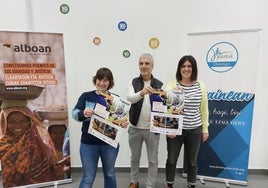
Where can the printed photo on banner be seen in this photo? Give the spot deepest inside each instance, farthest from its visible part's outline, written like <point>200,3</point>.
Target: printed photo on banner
<point>110,110</point>
<point>166,108</point>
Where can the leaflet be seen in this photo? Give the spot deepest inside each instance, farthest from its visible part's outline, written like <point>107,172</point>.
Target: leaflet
<point>166,115</point>
<point>109,111</point>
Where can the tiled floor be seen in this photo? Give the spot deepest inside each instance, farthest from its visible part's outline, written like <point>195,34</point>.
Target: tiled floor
<point>255,180</point>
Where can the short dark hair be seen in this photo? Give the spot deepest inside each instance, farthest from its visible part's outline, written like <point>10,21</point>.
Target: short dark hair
<point>104,73</point>
<point>192,60</point>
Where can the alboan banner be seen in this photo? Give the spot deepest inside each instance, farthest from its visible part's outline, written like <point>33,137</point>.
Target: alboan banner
<point>34,137</point>
<point>227,63</point>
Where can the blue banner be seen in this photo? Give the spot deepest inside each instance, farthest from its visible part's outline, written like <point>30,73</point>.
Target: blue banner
<point>225,154</point>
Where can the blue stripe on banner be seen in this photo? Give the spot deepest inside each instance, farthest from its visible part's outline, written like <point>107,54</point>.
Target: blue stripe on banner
<point>221,64</point>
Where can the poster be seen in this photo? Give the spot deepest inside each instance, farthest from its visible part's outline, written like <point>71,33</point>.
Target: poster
<point>225,60</point>
<point>109,112</point>
<point>166,109</point>
<point>34,113</point>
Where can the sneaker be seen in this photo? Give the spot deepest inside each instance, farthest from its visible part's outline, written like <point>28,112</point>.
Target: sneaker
<point>134,185</point>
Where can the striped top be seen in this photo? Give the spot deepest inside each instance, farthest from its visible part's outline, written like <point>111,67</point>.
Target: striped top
<point>195,105</point>
<point>191,111</point>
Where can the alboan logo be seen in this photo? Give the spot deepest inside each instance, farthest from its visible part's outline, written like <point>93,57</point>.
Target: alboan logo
<point>29,49</point>
<point>222,57</point>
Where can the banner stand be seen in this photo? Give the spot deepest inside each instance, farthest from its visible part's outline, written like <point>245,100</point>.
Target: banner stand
<point>33,93</point>
<point>227,182</point>
<point>226,56</point>
<point>51,183</point>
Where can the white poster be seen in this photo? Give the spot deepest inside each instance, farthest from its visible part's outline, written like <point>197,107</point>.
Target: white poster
<point>227,63</point>
<point>105,130</point>
<point>105,124</point>
<point>166,115</point>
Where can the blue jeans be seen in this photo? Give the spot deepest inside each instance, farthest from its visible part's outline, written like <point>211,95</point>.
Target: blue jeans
<point>90,156</point>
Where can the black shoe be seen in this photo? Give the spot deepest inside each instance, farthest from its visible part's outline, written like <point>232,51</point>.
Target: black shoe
<point>169,185</point>
<point>190,186</point>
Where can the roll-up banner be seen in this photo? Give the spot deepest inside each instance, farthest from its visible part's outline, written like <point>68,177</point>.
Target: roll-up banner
<point>34,137</point>
<point>227,63</point>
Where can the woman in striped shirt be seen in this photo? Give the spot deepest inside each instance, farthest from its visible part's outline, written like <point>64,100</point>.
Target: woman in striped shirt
<point>195,121</point>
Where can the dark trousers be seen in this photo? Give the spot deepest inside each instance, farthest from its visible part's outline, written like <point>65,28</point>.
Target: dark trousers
<point>191,140</point>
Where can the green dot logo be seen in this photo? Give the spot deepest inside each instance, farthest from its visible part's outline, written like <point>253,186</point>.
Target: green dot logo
<point>126,53</point>
<point>154,43</point>
<point>64,9</point>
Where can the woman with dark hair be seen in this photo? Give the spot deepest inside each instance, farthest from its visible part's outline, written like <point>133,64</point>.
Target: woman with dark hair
<point>195,121</point>
<point>27,152</point>
<point>91,147</point>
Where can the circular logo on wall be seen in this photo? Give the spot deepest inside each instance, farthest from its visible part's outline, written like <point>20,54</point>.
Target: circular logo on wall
<point>64,9</point>
<point>122,26</point>
<point>222,57</point>
<point>96,40</point>
<point>154,43</point>
<point>126,53</point>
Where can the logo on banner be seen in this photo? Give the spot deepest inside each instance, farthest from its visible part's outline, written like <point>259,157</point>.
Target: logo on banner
<point>30,49</point>
<point>222,57</point>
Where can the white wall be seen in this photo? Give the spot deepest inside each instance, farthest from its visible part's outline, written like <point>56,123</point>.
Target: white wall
<point>169,21</point>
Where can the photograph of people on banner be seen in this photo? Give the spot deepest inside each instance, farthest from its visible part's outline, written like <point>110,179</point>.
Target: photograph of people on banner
<point>33,110</point>
<point>166,107</point>
<point>105,124</point>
